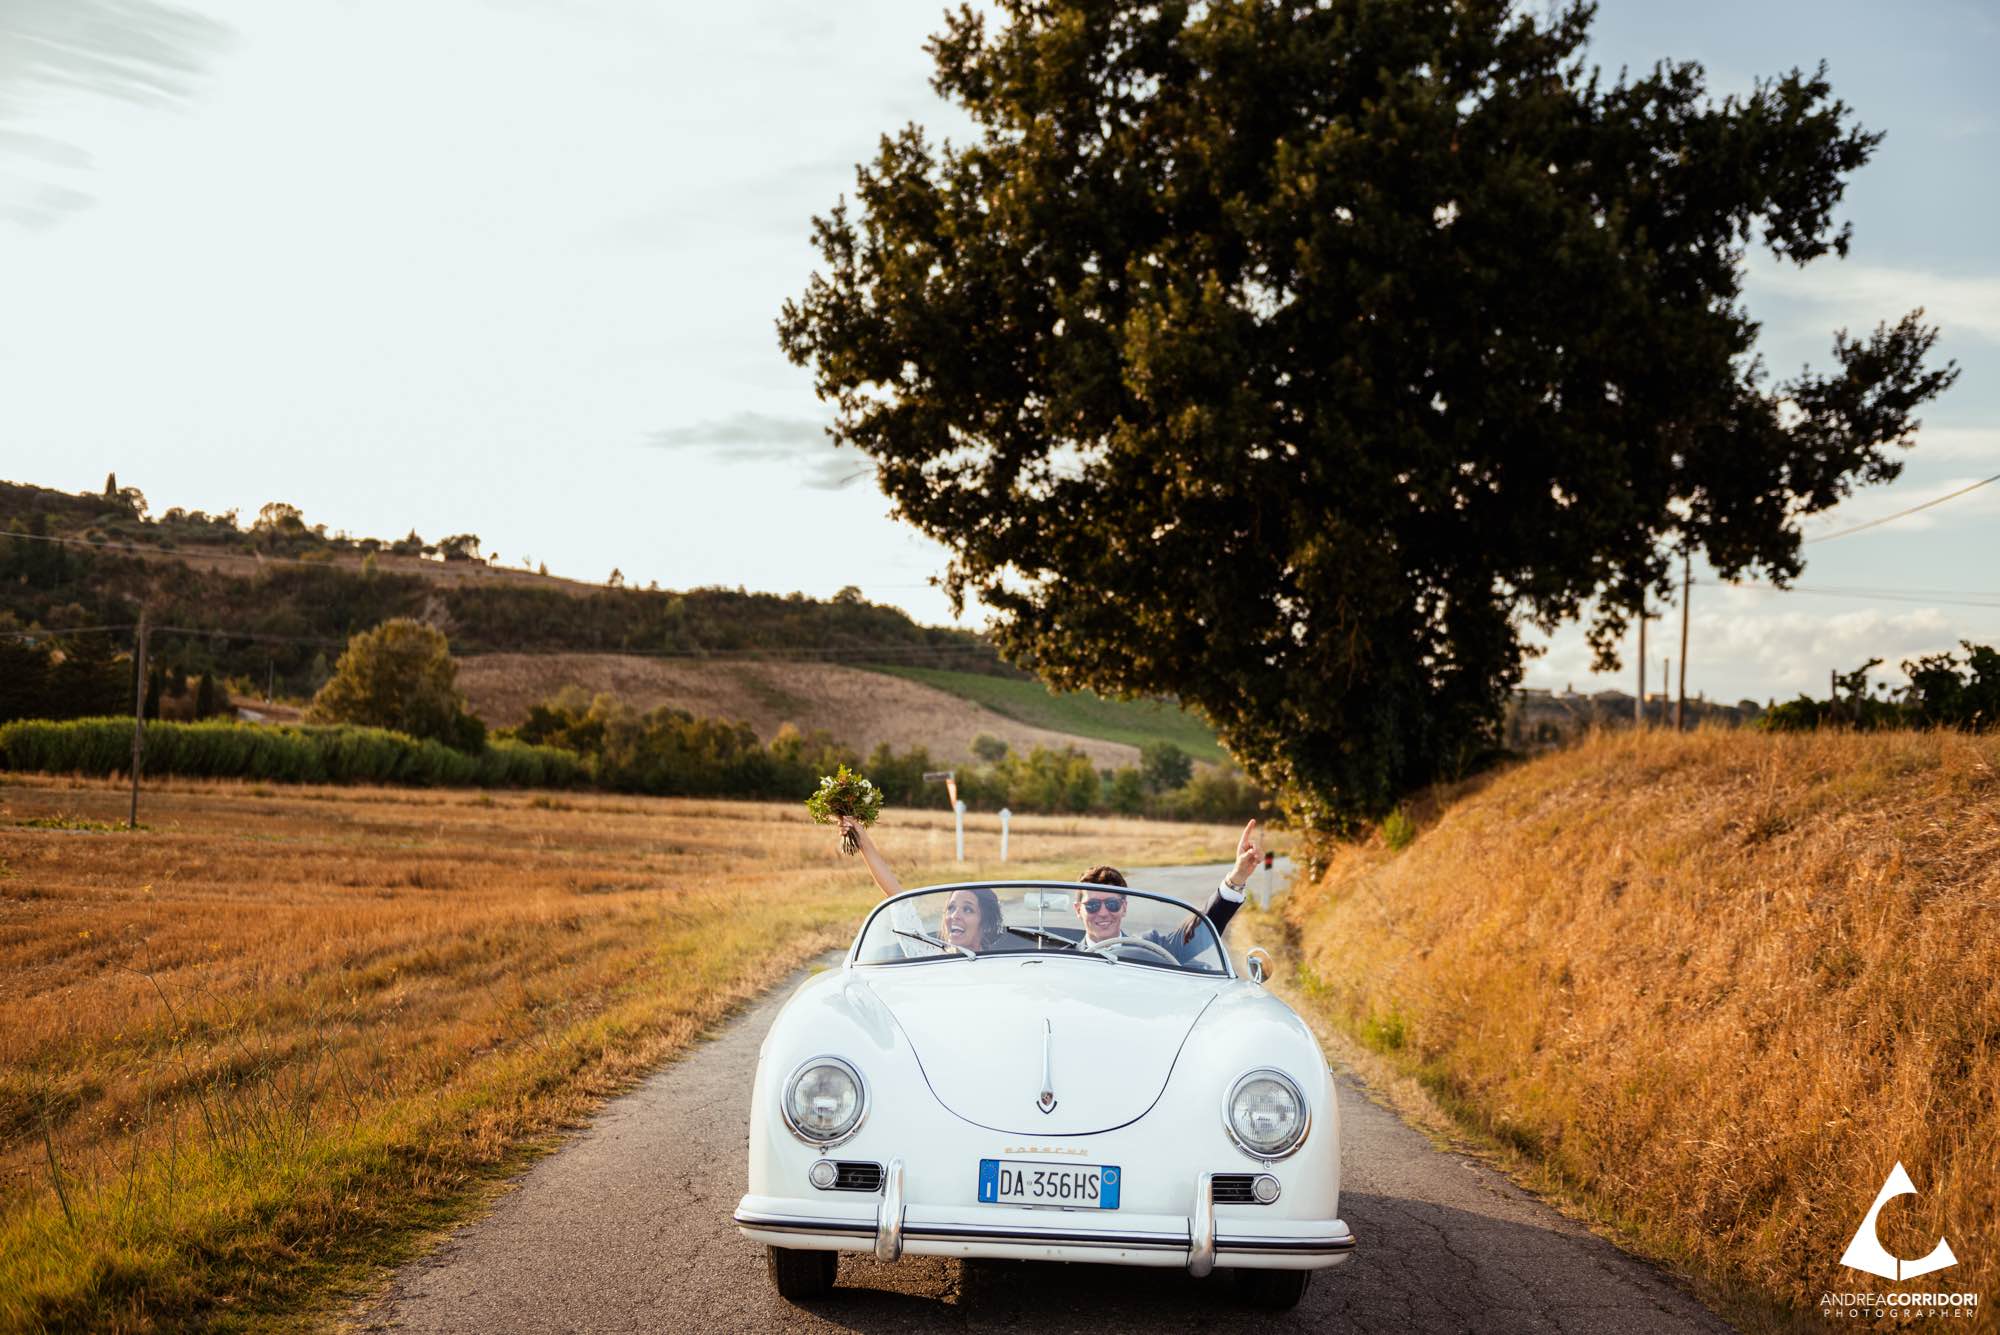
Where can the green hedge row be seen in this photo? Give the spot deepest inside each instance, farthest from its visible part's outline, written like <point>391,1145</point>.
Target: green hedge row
<point>343,753</point>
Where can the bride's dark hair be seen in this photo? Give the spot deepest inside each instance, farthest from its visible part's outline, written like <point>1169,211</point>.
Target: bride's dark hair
<point>990,923</point>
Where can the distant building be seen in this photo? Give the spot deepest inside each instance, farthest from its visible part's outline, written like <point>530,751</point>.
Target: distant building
<point>1538,719</point>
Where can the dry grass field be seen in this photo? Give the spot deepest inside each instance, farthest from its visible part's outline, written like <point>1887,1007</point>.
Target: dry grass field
<point>859,707</point>
<point>1711,986</point>
<point>258,1048</point>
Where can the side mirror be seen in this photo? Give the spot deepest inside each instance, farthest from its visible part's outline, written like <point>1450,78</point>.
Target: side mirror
<point>1259,961</point>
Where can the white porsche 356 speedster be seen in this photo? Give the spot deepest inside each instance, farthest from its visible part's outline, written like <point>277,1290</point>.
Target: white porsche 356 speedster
<point>1040,1091</point>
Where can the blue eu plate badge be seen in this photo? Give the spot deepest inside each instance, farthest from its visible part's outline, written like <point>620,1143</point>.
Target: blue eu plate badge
<point>1065,1186</point>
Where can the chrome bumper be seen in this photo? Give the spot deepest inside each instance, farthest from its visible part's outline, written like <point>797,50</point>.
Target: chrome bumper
<point>893,1228</point>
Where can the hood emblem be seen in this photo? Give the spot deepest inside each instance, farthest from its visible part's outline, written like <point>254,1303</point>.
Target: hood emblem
<point>1047,1102</point>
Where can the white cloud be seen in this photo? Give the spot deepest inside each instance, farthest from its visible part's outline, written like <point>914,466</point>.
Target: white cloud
<point>755,436</point>
<point>1761,644</point>
<point>70,54</point>
<point>1860,296</point>
<point>1971,443</point>
<point>1793,651</point>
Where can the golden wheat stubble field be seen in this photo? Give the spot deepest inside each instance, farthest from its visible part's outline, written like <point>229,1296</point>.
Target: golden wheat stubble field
<point>256,1047</point>
<point>1714,985</point>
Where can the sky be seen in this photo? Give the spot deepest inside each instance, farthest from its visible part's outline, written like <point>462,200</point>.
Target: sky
<point>511,267</point>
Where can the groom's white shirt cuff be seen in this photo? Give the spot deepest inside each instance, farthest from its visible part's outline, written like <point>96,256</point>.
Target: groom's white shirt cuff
<point>1230,892</point>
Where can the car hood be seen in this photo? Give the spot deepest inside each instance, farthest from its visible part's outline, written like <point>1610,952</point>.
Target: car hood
<point>980,1029</point>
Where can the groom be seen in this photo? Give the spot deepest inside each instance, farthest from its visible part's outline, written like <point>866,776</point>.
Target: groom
<point>1103,915</point>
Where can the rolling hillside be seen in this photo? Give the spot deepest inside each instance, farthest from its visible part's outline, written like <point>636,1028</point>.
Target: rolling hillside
<point>269,606</point>
<point>282,599</point>
<point>1714,985</point>
<point>1131,723</point>
<point>861,708</point>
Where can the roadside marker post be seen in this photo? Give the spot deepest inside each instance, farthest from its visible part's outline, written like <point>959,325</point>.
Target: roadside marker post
<point>1270,859</point>
<point>1005,817</point>
<point>950,777</point>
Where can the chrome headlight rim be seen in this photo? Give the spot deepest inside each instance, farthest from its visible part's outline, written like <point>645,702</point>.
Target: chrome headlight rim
<point>791,1082</point>
<point>1236,1137</point>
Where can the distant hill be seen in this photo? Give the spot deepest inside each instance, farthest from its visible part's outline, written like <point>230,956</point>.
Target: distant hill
<point>1539,719</point>
<point>288,596</point>
<point>275,601</point>
<point>1027,701</point>
<point>862,708</point>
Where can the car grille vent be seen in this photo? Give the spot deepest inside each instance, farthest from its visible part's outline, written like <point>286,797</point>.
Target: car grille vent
<point>1233,1189</point>
<point>852,1175</point>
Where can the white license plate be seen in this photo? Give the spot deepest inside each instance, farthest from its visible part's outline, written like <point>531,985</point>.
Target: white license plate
<point>1021,1182</point>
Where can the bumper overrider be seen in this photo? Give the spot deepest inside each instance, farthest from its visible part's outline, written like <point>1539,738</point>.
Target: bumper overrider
<point>890,1226</point>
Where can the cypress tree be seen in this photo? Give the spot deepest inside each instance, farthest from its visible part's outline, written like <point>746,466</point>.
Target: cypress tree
<point>24,680</point>
<point>205,703</point>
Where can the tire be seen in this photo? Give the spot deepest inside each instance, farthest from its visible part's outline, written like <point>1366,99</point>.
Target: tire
<point>1272,1290</point>
<point>801,1276</point>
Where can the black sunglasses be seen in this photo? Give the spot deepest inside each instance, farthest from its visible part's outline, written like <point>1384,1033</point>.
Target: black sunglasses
<point>1111,904</point>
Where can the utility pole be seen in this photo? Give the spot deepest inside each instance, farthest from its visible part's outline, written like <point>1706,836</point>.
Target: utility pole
<point>138,718</point>
<point>1687,586</point>
<point>1639,705</point>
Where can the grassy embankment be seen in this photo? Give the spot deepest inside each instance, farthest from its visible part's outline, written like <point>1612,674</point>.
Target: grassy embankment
<point>1709,987</point>
<point>262,1045</point>
<point>1133,722</point>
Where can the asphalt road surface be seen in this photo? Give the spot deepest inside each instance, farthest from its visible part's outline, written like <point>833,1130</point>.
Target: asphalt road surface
<point>628,1228</point>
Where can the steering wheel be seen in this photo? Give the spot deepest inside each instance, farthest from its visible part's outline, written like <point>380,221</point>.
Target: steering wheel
<point>1112,942</point>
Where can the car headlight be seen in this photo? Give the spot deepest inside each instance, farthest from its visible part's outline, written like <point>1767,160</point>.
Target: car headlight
<point>1267,1114</point>
<point>824,1101</point>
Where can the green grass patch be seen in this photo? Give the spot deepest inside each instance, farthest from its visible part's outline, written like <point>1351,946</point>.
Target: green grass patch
<point>1385,1032</point>
<point>1082,713</point>
<point>1398,830</point>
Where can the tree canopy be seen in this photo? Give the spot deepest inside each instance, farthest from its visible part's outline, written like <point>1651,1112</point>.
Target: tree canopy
<point>1295,358</point>
<point>400,675</point>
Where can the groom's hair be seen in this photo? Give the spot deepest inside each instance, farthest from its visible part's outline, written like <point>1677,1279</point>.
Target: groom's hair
<point>1103,876</point>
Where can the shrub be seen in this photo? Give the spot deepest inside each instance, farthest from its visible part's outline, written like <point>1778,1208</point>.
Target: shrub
<point>400,675</point>
<point>1165,766</point>
<point>341,753</point>
<point>1398,830</point>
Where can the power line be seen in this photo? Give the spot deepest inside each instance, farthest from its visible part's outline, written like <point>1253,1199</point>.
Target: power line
<point>936,653</point>
<point>1873,523</point>
<point>1952,598</point>
<point>62,633</point>
<point>861,652</point>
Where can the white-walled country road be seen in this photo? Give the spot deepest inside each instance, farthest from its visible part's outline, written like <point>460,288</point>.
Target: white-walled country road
<point>628,1228</point>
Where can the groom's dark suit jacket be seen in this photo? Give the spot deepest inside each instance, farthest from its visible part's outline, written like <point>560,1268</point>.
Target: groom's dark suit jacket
<point>1219,909</point>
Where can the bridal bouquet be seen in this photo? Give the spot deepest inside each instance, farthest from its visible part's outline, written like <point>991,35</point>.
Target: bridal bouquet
<point>845,793</point>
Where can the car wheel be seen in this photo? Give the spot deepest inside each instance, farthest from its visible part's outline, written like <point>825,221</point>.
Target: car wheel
<point>1273,1290</point>
<point>800,1276</point>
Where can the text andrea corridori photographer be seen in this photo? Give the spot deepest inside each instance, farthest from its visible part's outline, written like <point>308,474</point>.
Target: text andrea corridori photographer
<point>1867,1254</point>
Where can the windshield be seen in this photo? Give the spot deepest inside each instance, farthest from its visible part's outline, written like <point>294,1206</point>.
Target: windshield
<point>1101,922</point>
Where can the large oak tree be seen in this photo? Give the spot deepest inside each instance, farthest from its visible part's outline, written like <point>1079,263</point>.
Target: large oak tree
<point>1294,358</point>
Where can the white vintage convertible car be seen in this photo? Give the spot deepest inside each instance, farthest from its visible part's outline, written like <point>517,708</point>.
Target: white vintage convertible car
<point>1037,1091</point>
